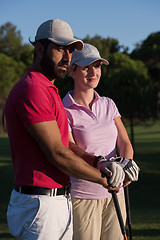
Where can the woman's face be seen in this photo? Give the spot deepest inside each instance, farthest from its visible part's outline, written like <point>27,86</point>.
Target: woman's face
<point>87,77</point>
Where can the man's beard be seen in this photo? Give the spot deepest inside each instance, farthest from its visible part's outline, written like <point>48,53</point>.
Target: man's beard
<point>50,68</point>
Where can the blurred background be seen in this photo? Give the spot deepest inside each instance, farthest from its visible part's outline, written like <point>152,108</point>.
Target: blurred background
<point>127,34</point>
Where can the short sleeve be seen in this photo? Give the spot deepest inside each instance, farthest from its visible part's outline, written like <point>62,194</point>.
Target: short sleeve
<point>114,108</point>
<point>35,105</point>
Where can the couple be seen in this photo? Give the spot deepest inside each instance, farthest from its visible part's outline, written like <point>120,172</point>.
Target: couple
<point>43,158</point>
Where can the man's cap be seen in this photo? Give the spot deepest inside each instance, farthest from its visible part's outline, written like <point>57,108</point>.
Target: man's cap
<point>59,32</point>
<point>88,55</point>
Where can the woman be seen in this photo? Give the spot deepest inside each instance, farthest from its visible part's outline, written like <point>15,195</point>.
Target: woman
<point>96,127</point>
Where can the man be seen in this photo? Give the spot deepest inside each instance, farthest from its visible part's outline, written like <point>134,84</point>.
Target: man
<point>37,126</point>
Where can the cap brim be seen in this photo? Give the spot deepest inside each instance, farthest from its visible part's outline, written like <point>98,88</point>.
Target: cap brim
<point>78,43</point>
<point>87,61</point>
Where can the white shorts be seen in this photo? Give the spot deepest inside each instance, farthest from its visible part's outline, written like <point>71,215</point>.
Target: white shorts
<point>40,217</point>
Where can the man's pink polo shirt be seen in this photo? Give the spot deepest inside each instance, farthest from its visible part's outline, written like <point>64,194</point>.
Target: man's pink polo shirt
<point>34,99</point>
<point>94,131</point>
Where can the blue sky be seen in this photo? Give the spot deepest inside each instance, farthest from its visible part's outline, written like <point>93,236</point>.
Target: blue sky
<point>128,21</point>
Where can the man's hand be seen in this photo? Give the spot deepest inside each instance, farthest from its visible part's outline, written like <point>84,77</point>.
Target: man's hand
<point>129,166</point>
<point>113,171</point>
<point>105,184</point>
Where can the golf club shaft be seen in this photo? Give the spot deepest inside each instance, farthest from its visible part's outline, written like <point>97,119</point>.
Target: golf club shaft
<point>116,203</point>
<point>126,194</point>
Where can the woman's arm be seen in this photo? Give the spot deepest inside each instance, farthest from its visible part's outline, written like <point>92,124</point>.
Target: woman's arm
<point>124,145</point>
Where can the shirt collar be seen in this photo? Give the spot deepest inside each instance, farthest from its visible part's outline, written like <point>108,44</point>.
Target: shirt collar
<point>69,101</point>
<point>44,80</point>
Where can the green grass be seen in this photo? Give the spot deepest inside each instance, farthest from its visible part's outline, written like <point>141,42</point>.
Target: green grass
<point>144,194</point>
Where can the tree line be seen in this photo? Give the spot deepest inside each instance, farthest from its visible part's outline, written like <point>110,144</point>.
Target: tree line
<point>132,80</point>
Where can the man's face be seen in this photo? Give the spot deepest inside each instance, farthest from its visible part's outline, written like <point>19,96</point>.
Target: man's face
<point>56,60</point>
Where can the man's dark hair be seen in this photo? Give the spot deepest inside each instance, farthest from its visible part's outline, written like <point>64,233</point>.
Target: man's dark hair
<point>44,42</point>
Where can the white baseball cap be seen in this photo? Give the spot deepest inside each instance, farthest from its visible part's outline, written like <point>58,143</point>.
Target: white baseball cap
<point>58,32</point>
<point>88,55</point>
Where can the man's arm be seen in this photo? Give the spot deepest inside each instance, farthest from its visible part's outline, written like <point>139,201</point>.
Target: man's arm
<point>114,171</point>
<point>48,137</point>
<point>89,158</point>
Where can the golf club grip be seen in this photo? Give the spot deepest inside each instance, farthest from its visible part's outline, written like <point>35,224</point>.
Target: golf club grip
<point>116,203</point>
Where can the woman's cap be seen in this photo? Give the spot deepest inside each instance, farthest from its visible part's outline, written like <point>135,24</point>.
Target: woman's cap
<point>58,32</point>
<point>86,56</point>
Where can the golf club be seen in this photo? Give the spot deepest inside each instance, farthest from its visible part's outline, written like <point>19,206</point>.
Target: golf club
<point>119,215</point>
<point>126,194</point>
<point>118,211</point>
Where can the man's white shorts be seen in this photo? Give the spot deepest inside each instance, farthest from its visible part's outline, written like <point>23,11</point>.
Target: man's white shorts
<point>40,217</point>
